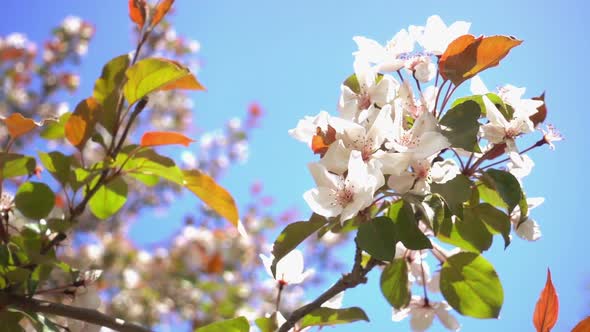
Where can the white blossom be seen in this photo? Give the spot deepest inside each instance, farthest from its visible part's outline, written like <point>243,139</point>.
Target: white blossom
<point>435,37</point>
<point>422,314</point>
<point>289,269</point>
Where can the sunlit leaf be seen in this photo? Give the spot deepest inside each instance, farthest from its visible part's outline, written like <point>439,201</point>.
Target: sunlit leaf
<point>292,235</point>
<point>56,129</point>
<point>137,12</point>
<point>239,324</point>
<point>547,308</point>
<point>394,283</point>
<point>34,200</point>
<point>471,286</point>
<point>328,316</point>
<point>18,125</point>
<point>82,122</point>
<point>212,194</point>
<point>583,326</point>
<point>468,232</point>
<point>161,10</point>
<point>267,324</point>
<point>148,163</point>
<point>156,138</point>
<point>13,165</point>
<point>107,89</point>
<point>153,74</point>
<point>467,56</point>
<point>57,164</point>
<point>109,198</point>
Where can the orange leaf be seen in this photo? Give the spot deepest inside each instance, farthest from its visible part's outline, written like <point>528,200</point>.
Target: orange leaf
<point>155,138</point>
<point>18,125</point>
<point>583,326</point>
<point>321,141</point>
<point>541,114</point>
<point>161,10</point>
<point>215,264</point>
<point>81,123</point>
<point>547,308</point>
<point>467,56</point>
<point>137,12</point>
<point>212,194</point>
<point>188,82</point>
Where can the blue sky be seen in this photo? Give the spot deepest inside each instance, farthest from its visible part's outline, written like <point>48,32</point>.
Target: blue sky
<point>292,56</point>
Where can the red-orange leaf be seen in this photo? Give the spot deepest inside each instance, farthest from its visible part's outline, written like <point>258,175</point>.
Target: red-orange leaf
<point>161,10</point>
<point>137,12</point>
<point>467,56</point>
<point>321,141</point>
<point>547,308</point>
<point>541,114</point>
<point>583,326</point>
<point>155,138</point>
<point>81,124</point>
<point>18,125</point>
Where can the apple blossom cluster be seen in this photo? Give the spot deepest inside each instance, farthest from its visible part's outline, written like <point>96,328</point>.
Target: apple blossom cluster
<point>399,150</point>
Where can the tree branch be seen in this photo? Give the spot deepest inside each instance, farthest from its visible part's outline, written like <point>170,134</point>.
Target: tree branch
<point>357,276</point>
<point>58,309</point>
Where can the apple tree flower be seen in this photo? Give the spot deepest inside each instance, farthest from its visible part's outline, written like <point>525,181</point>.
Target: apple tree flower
<point>528,229</point>
<point>343,196</point>
<point>290,269</point>
<point>436,36</point>
<point>386,58</point>
<point>422,313</point>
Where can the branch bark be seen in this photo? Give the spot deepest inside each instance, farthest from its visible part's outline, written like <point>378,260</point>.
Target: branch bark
<point>58,309</point>
<point>357,276</point>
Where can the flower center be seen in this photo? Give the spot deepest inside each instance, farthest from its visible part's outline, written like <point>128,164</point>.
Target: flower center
<point>345,195</point>
<point>407,140</point>
<point>364,101</point>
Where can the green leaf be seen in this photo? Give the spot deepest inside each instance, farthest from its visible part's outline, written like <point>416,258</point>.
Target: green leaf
<point>109,198</point>
<point>506,185</point>
<point>113,74</point>
<point>56,129</point>
<point>328,316</point>
<point>471,286</point>
<point>468,233</point>
<point>153,74</point>
<point>11,321</point>
<point>406,226</point>
<point>146,164</point>
<point>293,235</point>
<point>460,125</point>
<point>14,164</point>
<point>107,89</point>
<point>239,324</point>
<point>494,98</point>
<point>497,221</point>
<point>34,200</point>
<point>378,238</point>
<point>394,283</point>
<point>58,165</point>
<point>455,192</point>
<point>267,324</point>
<point>212,194</point>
